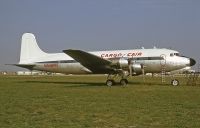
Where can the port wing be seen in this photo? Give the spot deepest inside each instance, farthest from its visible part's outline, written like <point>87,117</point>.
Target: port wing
<point>94,63</point>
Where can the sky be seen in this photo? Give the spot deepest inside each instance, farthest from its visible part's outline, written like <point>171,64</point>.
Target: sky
<point>99,25</point>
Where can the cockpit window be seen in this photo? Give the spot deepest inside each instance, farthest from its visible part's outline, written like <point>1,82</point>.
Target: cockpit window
<point>174,54</point>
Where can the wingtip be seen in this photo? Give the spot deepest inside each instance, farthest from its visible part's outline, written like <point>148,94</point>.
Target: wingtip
<point>67,50</point>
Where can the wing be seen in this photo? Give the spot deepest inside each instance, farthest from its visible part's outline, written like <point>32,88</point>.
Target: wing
<point>94,63</point>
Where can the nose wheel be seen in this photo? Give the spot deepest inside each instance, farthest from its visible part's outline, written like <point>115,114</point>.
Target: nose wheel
<point>175,82</point>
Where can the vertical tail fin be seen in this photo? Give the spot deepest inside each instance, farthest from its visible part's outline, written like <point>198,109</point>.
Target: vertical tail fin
<point>30,49</point>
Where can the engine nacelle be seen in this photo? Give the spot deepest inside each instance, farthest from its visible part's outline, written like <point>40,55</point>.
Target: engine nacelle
<point>121,63</point>
<point>125,65</point>
<point>136,69</point>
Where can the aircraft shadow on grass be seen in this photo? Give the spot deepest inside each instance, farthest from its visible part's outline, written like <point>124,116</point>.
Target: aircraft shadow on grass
<point>66,83</point>
<point>81,84</point>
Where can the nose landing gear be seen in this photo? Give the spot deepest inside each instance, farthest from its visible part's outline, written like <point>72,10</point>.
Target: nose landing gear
<point>175,82</point>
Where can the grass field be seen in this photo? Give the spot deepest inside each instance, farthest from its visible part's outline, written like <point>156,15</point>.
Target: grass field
<point>85,101</point>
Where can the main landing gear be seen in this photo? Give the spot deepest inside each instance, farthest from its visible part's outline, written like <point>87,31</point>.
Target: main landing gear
<point>122,82</point>
<point>110,80</point>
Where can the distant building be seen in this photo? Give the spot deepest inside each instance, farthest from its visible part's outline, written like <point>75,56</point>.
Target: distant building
<point>31,73</point>
<point>36,73</point>
<point>7,73</point>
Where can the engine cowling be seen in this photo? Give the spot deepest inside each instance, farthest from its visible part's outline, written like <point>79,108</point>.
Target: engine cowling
<point>120,63</point>
<point>124,64</point>
<point>136,69</point>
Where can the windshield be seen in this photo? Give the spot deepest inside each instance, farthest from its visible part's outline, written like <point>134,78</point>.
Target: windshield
<point>174,54</point>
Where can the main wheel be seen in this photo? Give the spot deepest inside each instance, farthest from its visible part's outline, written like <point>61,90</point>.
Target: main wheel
<point>110,82</point>
<point>175,82</point>
<point>123,82</point>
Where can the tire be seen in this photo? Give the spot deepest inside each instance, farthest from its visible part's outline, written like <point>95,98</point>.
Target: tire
<point>110,83</point>
<point>175,82</point>
<point>124,82</point>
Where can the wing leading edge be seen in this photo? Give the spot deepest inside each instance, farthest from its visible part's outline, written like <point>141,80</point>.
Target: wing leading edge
<point>94,63</point>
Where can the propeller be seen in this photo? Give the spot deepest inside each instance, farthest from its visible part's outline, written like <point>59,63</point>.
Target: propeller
<point>130,67</point>
<point>143,72</point>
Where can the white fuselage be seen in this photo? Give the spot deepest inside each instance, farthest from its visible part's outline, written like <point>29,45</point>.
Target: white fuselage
<point>116,61</point>
<point>150,58</point>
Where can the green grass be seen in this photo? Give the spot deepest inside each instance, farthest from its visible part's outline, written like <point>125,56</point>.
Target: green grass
<point>85,101</point>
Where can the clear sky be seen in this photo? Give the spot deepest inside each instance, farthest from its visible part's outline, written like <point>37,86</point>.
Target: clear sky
<point>99,25</point>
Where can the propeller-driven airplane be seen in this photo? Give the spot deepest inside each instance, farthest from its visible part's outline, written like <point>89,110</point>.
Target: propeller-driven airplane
<point>121,63</point>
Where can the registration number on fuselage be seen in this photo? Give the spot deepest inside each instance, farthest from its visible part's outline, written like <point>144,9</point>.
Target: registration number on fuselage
<point>51,65</point>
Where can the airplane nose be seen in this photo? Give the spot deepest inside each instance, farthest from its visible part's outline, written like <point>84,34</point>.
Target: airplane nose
<point>192,62</point>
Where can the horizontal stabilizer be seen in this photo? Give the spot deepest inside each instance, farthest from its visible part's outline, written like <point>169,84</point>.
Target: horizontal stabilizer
<point>28,66</point>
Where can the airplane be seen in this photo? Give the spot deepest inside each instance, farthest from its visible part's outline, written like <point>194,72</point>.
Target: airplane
<point>114,63</point>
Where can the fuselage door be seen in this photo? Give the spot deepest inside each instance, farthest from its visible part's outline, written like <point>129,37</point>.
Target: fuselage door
<point>163,60</point>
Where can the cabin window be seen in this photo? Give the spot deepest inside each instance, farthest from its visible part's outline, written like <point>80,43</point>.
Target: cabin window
<point>171,54</point>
